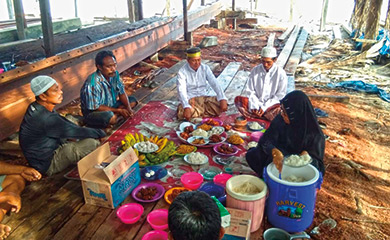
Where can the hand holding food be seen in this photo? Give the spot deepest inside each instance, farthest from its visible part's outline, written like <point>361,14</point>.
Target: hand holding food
<point>277,157</point>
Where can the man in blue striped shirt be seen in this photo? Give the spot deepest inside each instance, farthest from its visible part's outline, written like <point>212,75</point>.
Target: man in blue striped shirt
<point>103,96</point>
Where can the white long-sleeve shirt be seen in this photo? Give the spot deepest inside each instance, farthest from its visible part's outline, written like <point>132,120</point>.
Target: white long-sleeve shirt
<point>265,89</point>
<point>191,83</point>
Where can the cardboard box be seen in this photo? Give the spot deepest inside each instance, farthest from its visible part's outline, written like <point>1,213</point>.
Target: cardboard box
<point>108,186</point>
<point>240,225</point>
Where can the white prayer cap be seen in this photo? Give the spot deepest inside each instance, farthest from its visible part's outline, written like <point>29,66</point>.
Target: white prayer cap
<point>41,83</point>
<point>268,52</point>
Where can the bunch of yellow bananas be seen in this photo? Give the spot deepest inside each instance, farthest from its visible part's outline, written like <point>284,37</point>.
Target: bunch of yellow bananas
<point>130,140</point>
<point>161,142</point>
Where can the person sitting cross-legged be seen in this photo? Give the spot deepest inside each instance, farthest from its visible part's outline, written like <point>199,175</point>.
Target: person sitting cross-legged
<point>266,86</point>
<point>193,81</point>
<point>104,101</point>
<point>46,138</point>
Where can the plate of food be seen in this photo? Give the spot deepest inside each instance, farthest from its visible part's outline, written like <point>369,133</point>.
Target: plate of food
<point>212,121</point>
<point>148,192</point>
<point>185,149</point>
<point>216,139</point>
<point>297,161</point>
<point>235,139</point>
<point>172,193</point>
<point>187,127</point>
<point>146,147</point>
<point>216,130</point>
<point>225,149</point>
<point>255,126</point>
<point>152,173</point>
<point>183,136</point>
<point>197,141</point>
<point>196,158</point>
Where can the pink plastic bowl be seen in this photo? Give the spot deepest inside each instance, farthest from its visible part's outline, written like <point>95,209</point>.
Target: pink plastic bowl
<point>158,219</point>
<point>221,179</point>
<point>130,212</point>
<point>192,180</point>
<point>255,136</point>
<point>155,235</point>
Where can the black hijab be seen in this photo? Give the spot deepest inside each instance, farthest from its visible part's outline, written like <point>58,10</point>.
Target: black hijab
<point>302,134</point>
<point>303,121</point>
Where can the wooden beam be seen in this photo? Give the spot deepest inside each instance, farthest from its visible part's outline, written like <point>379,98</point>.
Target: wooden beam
<point>324,12</point>
<point>130,7</point>
<point>71,68</point>
<point>10,10</point>
<point>288,47</point>
<point>295,57</point>
<point>347,29</point>
<point>20,20</point>
<point>140,11</point>
<point>234,23</point>
<point>76,12</point>
<point>271,40</point>
<point>47,27</point>
<point>336,32</point>
<point>292,7</point>
<point>286,33</point>
<point>187,34</point>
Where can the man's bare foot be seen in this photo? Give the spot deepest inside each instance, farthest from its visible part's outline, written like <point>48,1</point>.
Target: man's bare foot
<point>4,231</point>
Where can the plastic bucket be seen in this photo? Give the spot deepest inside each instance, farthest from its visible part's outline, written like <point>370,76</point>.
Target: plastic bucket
<point>290,205</point>
<point>254,203</point>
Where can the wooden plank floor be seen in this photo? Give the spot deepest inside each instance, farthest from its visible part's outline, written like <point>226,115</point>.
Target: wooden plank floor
<point>54,207</point>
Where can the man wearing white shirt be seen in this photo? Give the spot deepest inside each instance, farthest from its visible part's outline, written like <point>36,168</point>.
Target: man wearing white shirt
<point>193,81</point>
<point>266,86</point>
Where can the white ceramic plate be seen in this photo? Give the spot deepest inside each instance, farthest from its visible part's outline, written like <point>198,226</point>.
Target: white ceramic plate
<point>138,146</point>
<point>216,130</point>
<point>191,139</point>
<point>250,126</point>
<point>183,125</point>
<point>205,159</point>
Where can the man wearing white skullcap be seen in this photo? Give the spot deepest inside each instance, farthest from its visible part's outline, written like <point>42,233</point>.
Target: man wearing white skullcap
<point>44,133</point>
<point>266,86</point>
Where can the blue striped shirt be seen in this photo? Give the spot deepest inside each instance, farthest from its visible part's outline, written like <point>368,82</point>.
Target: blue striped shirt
<point>98,91</point>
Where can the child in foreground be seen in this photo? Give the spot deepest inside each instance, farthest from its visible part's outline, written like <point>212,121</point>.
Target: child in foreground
<point>194,216</point>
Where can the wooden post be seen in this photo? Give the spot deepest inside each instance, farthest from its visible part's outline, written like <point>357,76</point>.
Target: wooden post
<point>387,23</point>
<point>292,7</point>
<point>234,9</point>
<point>20,20</point>
<point>47,27</point>
<point>324,12</point>
<point>202,3</point>
<point>187,35</point>
<point>140,10</point>
<point>10,10</point>
<point>76,12</point>
<point>130,6</point>
<point>372,23</point>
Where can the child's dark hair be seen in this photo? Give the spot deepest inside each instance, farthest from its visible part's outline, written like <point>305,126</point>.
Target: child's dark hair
<point>194,216</point>
<point>101,55</point>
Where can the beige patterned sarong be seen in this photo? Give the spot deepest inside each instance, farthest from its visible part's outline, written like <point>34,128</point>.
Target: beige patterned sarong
<point>201,107</point>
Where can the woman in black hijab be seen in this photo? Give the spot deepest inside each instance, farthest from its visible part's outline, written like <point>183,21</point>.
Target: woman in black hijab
<point>294,131</point>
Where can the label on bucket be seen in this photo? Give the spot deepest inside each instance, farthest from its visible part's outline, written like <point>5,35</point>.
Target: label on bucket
<point>290,209</point>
